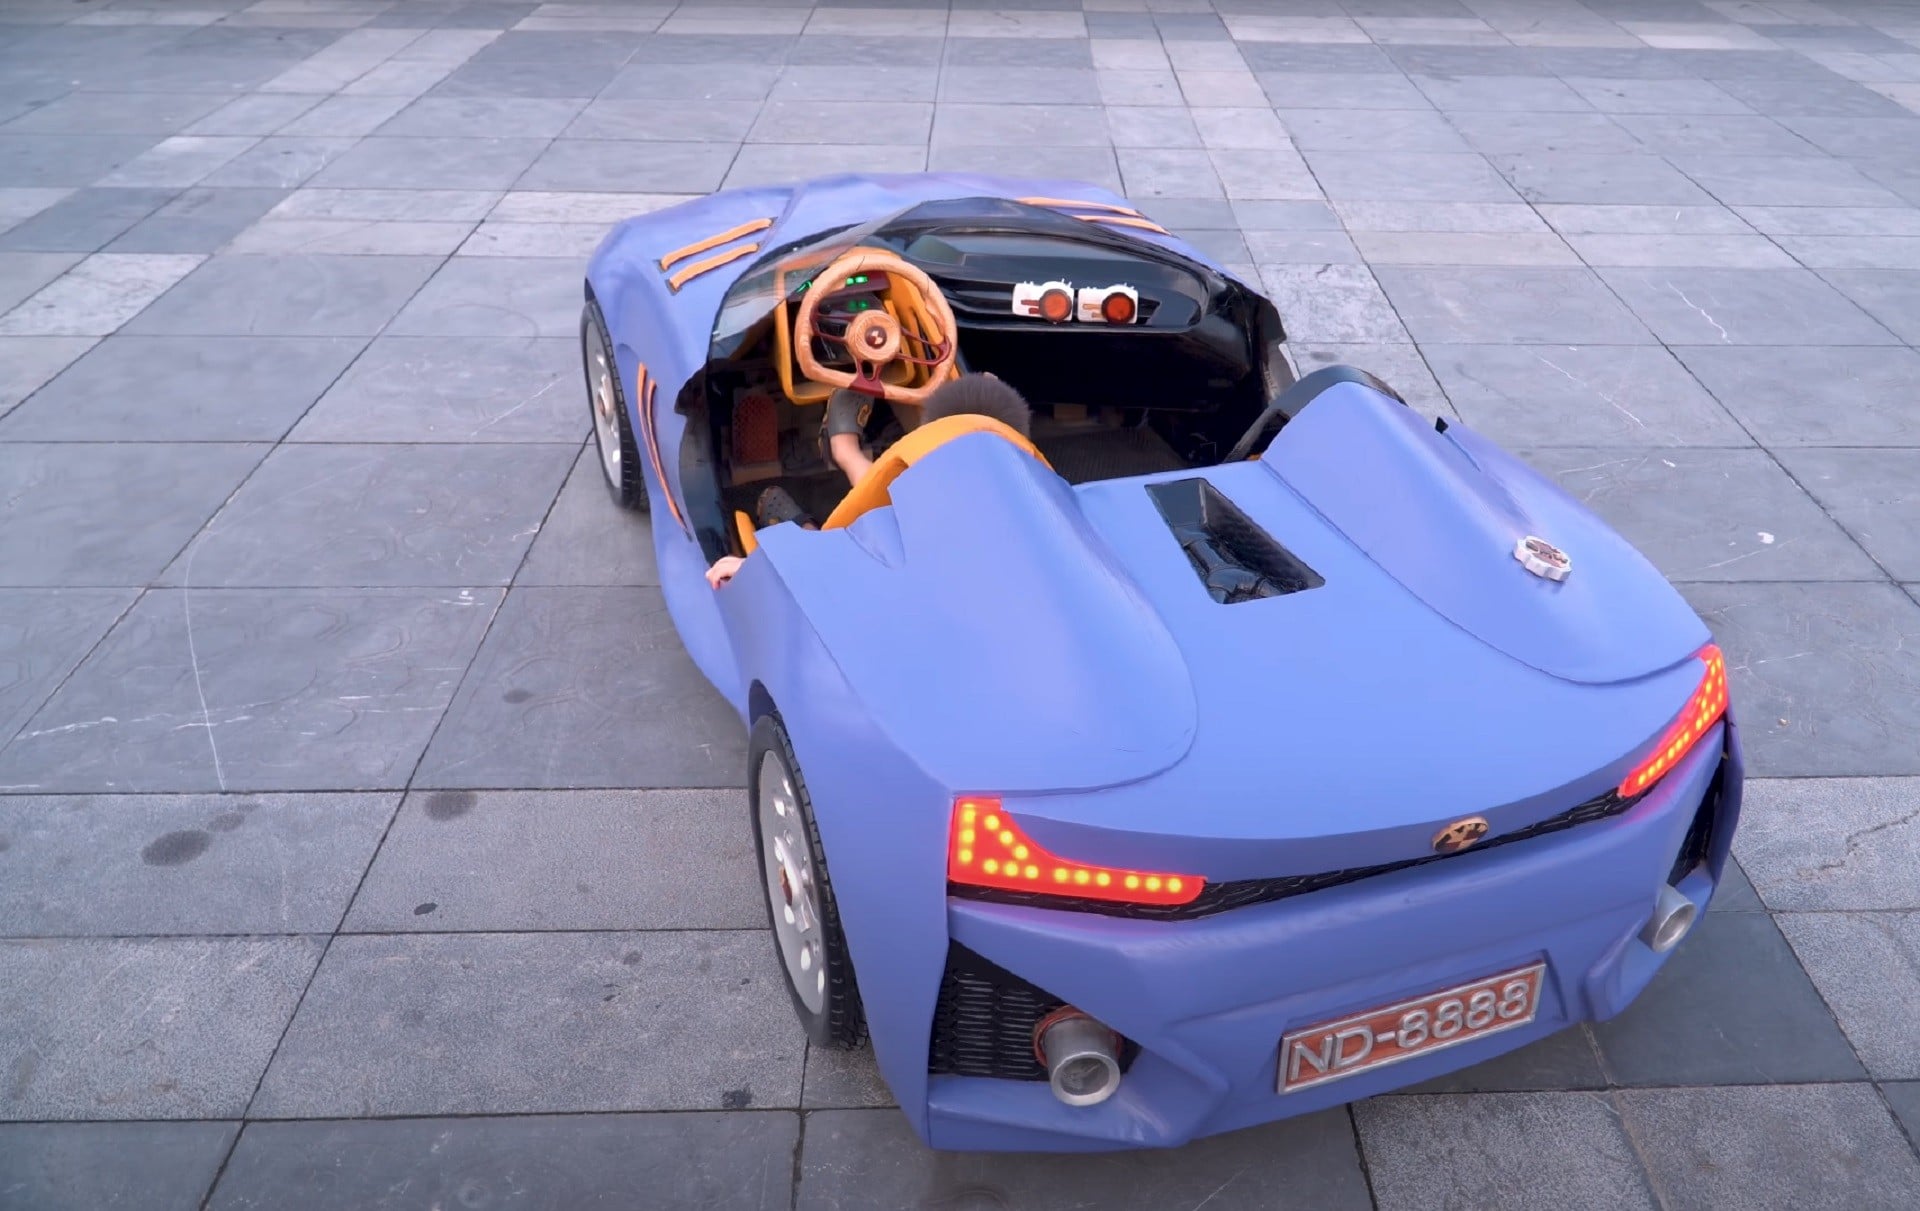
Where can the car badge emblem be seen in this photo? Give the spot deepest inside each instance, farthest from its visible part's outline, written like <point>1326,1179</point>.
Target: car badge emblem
<point>1459,835</point>
<point>1542,558</point>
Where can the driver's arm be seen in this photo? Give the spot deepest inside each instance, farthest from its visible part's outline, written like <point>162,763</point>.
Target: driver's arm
<point>847,413</point>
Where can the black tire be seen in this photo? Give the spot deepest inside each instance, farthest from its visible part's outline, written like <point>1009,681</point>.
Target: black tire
<point>628,483</point>
<point>839,1021</point>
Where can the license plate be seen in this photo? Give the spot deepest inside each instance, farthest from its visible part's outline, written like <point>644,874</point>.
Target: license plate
<point>1328,1051</point>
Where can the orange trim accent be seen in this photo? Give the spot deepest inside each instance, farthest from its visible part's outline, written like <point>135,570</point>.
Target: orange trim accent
<point>713,241</point>
<point>1120,221</point>
<point>876,490</point>
<point>648,388</point>
<point>718,259</point>
<point>743,525</point>
<point>1106,206</point>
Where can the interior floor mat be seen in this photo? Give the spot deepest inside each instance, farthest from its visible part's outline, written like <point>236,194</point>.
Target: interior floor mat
<point>1108,454</point>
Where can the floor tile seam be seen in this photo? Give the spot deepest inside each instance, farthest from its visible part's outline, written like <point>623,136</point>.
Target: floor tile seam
<point>6,794</point>
<point>713,1111</point>
<point>296,935</point>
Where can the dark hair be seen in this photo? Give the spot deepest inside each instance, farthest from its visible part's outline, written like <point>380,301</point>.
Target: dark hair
<point>982,394</point>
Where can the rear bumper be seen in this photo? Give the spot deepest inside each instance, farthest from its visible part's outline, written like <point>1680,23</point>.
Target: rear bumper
<point>1208,1000</point>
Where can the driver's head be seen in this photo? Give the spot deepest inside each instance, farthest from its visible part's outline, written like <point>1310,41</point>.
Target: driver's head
<point>981,395</point>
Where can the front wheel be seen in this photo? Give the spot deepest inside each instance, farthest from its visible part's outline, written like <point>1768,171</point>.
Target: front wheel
<point>607,399</point>
<point>800,903</point>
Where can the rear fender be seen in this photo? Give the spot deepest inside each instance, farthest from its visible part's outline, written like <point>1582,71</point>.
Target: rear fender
<point>1441,513</point>
<point>883,823</point>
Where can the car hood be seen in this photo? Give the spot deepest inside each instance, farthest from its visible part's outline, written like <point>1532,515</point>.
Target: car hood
<point>1014,634</point>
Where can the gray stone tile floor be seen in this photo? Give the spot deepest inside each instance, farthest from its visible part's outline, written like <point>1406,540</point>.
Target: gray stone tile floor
<point>368,841</point>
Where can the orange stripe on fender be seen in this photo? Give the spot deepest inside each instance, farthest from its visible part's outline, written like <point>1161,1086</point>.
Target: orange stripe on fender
<point>690,272</point>
<point>646,388</point>
<point>1075,203</point>
<point>1119,221</point>
<point>713,241</point>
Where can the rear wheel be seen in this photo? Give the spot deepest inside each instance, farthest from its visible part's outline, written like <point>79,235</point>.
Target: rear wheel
<point>607,400</point>
<point>800,903</point>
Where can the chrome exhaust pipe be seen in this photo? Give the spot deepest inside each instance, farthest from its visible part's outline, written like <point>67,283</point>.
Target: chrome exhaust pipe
<point>1081,1056</point>
<point>1673,915</point>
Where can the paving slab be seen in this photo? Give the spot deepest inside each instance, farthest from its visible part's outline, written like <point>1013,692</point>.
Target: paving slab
<point>559,860</point>
<point>1521,306</point>
<point>537,1023</point>
<point>278,689</point>
<point>287,296</point>
<point>453,389</point>
<point>22,274</point>
<point>1778,179</point>
<point>496,297</point>
<point>395,515</point>
<point>198,220</point>
<point>586,540</point>
<point>108,513</point>
<point>742,1160</point>
<point>1710,514</point>
<point>99,295</point>
<point>1801,1146</point>
<point>186,864</point>
<point>29,362</point>
<point>869,1158</point>
<point>1730,1007</point>
<point>1812,395</point>
<point>1408,176</point>
<point>1832,844</point>
<point>1903,1098</point>
<point>1575,176</point>
<point>155,1028</point>
<point>1400,366</point>
<point>44,634</point>
<point>86,219</point>
<point>90,1166</point>
<point>1333,304</point>
<point>1891,296</point>
<point>1874,494</point>
<point>1826,675</point>
<point>839,1079</point>
<point>183,388</point>
<point>585,687</point>
<point>1743,307</point>
<point>1566,1150</point>
<point>1867,966</point>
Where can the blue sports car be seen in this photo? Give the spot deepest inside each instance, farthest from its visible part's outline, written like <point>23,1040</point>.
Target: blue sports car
<point>1212,748</point>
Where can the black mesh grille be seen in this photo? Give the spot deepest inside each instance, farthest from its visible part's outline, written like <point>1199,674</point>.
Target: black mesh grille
<point>1699,838</point>
<point>983,1024</point>
<point>1220,897</point>
<point>984,1021</point>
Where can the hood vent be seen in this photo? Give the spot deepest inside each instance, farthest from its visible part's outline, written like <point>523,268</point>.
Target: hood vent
<point>1234,558</point>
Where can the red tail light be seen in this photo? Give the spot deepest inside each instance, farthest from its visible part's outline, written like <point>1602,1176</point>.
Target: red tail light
<point>985,848</point>
<point>1704,709</point>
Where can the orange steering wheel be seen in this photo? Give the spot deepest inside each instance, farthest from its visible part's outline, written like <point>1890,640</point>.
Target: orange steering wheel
<point>875,339</point>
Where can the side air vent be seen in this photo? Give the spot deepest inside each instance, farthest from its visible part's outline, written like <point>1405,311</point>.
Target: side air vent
<point>1234,558</point>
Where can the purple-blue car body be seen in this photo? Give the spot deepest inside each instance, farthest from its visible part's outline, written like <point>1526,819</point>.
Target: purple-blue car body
<point>1326,682</point>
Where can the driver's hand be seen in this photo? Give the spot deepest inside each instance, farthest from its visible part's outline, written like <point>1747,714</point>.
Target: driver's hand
<point>847,412</point>
<point>723,569</point>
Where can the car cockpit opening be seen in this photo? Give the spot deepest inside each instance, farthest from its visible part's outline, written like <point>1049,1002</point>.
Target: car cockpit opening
<point>1135,359</point>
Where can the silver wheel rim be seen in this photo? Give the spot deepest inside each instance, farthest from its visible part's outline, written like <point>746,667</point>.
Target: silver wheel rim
<point>606,405</point>
<point>790,886</point>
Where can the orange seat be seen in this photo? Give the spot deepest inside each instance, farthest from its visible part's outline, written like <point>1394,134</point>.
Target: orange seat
<point>876,490</point>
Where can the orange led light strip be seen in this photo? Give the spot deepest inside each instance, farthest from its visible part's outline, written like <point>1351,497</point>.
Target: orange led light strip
<point>1704,709</point>
<point>986,848</point>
